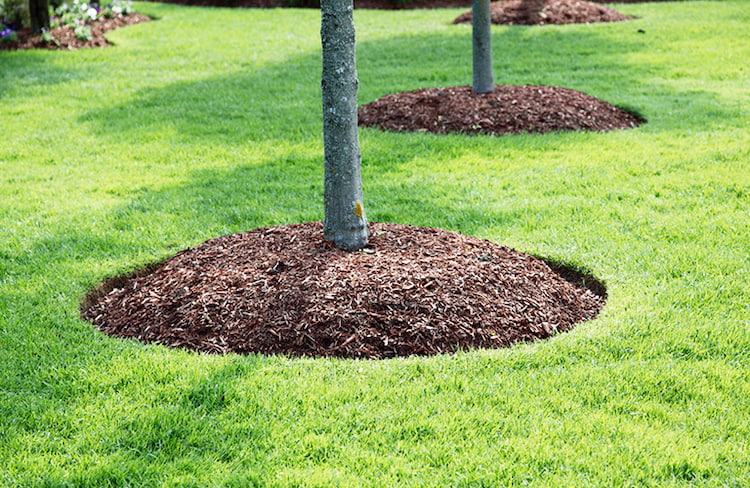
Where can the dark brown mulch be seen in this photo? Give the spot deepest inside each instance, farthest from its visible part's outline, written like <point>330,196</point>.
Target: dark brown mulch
<point>510,109</point>
<point>66,39</point>
<point>285,290</point>
<point>541,12</point>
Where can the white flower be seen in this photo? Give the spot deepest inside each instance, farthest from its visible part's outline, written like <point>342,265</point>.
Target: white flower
<point>91,12</point>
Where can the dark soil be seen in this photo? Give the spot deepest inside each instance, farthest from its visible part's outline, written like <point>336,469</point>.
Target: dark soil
<point>509,109</point>
<point>66,39</point>
<point>541,12</point>
<point>285,290</point>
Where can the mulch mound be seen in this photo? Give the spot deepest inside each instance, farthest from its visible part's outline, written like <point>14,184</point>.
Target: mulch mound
<point>541,12</point>
<point>66,39</point>
<point>286,290</point>
<point>510,109</point>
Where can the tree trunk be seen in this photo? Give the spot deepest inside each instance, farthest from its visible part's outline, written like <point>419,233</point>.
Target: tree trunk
<point>39,15</point>
<point>482,46</point>
<point>345,221</point>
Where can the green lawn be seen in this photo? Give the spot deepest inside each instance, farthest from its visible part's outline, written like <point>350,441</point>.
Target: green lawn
<point>207,122</point>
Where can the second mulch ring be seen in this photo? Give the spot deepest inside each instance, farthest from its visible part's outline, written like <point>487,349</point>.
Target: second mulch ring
<point>510,109</point>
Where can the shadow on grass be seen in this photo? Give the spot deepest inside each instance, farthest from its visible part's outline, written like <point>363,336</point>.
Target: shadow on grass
<point>282,102</point>
<point>26,70</point>
<point>177,425</point>
<point>183,415</point>
<point>272,105</point>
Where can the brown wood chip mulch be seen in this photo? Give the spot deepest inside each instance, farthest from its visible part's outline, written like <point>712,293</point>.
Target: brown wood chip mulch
<point>285,290</point>
<point>65,37</point>
<point>510,109</point>
<point>541,12</point>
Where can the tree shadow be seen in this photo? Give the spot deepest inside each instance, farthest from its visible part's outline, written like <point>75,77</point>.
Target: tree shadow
<point>237,109</point>
<point>281,102</point>
<point>206,204</point>
<point>24,71</point>
<point>263,106</point>
<point>121,433</point>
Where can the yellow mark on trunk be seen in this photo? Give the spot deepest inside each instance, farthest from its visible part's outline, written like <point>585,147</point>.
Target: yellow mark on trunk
<point>358,209</point>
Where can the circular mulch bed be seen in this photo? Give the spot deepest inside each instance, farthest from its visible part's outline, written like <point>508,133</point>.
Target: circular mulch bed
<point>510,109</point>
<point>286,290</point>
<point>541,12</point>
<point>66,39</point>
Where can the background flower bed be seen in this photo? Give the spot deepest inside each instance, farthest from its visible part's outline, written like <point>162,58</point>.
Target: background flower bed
<point>72,25</point>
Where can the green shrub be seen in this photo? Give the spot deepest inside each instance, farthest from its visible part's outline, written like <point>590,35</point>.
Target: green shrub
<point>14,14</point>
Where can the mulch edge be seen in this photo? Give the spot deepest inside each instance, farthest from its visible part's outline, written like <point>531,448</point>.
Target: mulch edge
<point>325,328</point>
<point>65,38</point>
<point>509,109</point>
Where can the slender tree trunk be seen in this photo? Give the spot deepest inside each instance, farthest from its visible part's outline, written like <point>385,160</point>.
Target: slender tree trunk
<point>482,46</point>
<point>345,221</point>
<point>39,15</point>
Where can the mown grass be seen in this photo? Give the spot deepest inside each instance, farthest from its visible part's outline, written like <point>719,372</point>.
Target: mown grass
<point>207,122</point>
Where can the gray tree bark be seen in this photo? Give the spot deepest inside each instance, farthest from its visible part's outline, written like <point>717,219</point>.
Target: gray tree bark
<point>39,15</point>
<point>345,220</point>
<point>481,46</point>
